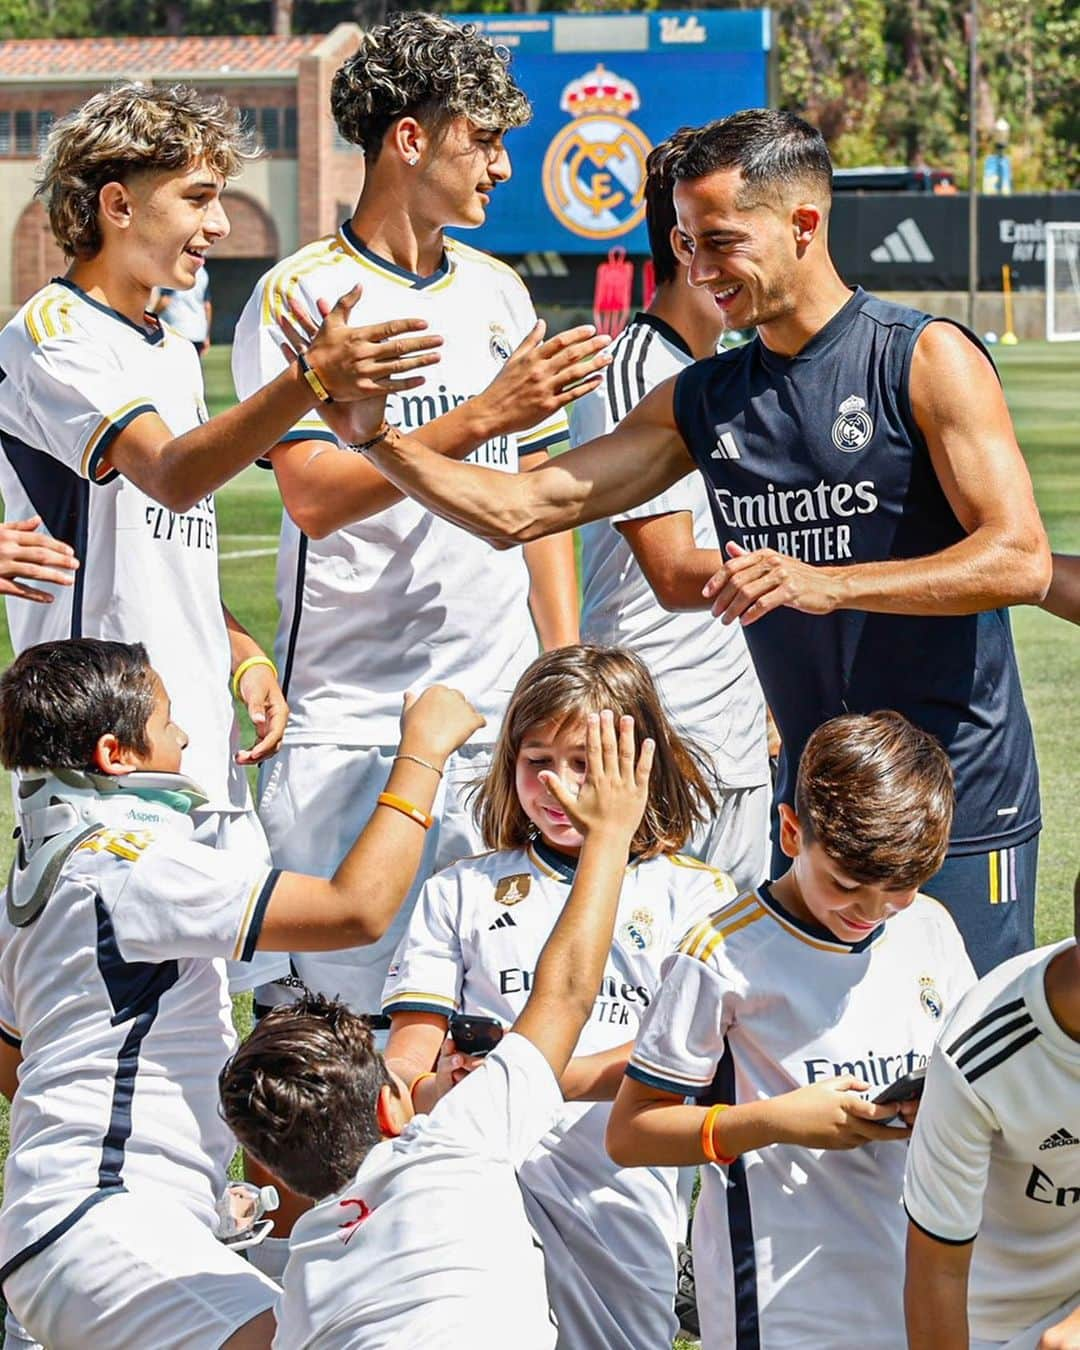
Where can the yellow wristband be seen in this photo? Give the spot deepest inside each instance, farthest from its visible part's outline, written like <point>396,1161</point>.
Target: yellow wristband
<point>314,383</point>
<point>708,1146</point>
<point>419,1079</point>
<point>406,808</point>
<point>243,668</point>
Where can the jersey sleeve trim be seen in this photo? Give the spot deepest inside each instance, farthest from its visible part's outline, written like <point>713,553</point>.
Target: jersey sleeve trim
<point>666,1081</point>
<point>254,913</point>
<point>948,1242</point>
<point>306,432</point>
<point>415,1001</point>
<point>10,1035</point>
<point>544,440</point>
<point>97,447</point>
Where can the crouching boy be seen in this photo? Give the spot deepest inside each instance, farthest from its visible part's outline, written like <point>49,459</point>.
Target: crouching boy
<point>780,1015</point>
<point>115,1015</point>
<point>421,1237</point>
<point>993,1174</point>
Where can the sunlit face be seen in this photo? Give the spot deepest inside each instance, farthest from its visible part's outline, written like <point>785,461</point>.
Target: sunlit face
<point>560,748</point>
<point>827,895</point>
<point>166,741</point>
<point>459,171</point>
<point>743,256</point>
<point>176,218</point>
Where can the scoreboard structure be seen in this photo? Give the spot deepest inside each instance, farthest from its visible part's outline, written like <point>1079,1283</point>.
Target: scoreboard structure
<point>605,88</point>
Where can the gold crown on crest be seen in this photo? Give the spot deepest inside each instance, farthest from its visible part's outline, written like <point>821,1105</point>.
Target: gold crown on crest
<point>600,91</point>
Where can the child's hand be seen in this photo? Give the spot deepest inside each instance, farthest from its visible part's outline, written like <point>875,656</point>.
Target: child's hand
<point>452,1066</point>
<point>616,790</point>
<point>831,1114</point>
<point>436,723</point>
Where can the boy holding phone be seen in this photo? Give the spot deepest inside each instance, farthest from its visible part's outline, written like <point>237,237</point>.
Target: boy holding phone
<point>993,1177</point>
<point>777,1015</point>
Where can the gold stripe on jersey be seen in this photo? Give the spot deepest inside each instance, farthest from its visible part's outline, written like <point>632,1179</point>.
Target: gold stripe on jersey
<point>541,865</point>
<point>249,910</point>
<point>12,1031</point>
<point>471,254</point>
<point>817,943</point>
<point>320,253</point>
<point>721,880</point>
<point>38,317</point>
<point>102,427</point>
<point>665,1071</point>
<point>701,941</point>
<point>419,996</point>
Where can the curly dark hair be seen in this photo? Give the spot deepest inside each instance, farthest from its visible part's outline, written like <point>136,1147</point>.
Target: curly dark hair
<point>419,65</point>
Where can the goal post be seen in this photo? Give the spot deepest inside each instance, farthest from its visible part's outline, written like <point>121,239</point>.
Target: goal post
<point>1062,281</point>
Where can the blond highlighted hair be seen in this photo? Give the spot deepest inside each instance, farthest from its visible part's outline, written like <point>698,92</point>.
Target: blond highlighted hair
<point>131,129</point>
<point>566,684</point>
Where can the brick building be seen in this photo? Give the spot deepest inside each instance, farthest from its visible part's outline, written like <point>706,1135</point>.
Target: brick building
<point>282,84</point>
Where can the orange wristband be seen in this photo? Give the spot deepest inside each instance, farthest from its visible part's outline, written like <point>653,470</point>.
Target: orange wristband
<point>708,1147</point>
<point>419,1079</point>
<point>406,809</point>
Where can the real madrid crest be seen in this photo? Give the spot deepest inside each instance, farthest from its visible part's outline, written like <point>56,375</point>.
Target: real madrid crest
<point>594,169</point>
<point>854,427</point>
<point>499,343</point>
<point>512,890</point>
<point>637,935</point>
<point>931,1000</point>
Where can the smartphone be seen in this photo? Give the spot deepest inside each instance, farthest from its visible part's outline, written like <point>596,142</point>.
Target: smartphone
<point>475,1035</point>
<point>906,1089</point>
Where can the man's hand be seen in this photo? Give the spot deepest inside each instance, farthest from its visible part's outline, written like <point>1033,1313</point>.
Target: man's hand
<point>24,554</point>
<point>750,585</point>
<point>542,377</point>
<point>1064,1336</point>
<point>269,713</point>
<point>830,1114</point>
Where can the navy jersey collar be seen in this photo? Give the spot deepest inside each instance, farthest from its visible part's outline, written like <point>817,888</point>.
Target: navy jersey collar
<point>152,335</point>
<point>833,331</point>
<point>814,930</point>
<point>414,279</point>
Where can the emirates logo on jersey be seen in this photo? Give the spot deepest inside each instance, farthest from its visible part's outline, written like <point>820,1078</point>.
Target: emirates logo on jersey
<point>853,427</point>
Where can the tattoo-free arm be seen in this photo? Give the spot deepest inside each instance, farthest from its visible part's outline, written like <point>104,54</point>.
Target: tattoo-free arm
<point>553,581</point>
<point>1063,597</point>
<point>667,552</point>
<point>935,1292</point>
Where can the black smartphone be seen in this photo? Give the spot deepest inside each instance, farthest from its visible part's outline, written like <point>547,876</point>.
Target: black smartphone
<point>475,1035</point>
<point>906,1089</point>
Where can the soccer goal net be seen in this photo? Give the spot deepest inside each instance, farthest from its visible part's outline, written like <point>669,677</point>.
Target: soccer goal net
<point>1063,281</point>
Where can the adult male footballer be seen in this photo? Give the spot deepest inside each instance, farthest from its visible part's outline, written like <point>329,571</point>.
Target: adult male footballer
<point>865,479</point>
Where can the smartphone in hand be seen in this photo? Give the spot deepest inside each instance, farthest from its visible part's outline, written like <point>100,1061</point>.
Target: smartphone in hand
<point>906,1089</point>
<point>476,1036</point>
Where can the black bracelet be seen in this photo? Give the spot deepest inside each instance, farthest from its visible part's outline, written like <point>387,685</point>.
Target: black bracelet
<point>361,446</point>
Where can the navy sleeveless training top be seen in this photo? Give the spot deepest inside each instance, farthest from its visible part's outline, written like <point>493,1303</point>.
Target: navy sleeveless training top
<point>818,456</point>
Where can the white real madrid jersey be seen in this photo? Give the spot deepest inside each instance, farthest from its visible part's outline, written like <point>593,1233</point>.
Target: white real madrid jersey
<point>115,996</point>
<point>757,1004</point>
<point>428,1245</point>
<point>404,599</point>
<point>702,667</point>
<point>73,374</point>
<point>472,944</point>
<point>996,1150</point>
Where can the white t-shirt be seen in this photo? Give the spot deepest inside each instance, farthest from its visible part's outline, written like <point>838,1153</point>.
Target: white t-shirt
<point>702,667</point>
<point>757,1004</point>
<point>404,599</point>
<point>118,999</point>
<point>77,373</point>
<point>429,1245</point>
<point>472,944</point>
<point>996,1149</point>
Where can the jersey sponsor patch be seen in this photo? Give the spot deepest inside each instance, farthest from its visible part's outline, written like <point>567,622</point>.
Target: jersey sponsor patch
<point>512,890</point>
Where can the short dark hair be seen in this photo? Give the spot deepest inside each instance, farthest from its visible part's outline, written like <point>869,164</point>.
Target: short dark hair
<point>876,793</point>
<point>660,217</point>
<point>300,1094</point>
<point>773,150</point>
<point>59,698</point>
<point>424,66</point>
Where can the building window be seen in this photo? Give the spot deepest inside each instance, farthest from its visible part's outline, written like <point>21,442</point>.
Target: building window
<point>270,128</point>
<point>24,132</point>
<point>247,119</point>
<point>45,121</point>
<point>5,133</point>
<point>288,137</point>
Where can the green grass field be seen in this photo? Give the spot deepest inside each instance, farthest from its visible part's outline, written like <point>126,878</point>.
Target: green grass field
<point>1043,387</point>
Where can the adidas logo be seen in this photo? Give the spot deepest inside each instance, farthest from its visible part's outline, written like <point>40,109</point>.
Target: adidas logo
<point>503,921</point>
<point>905,244</point>
<point>1059,1139</point>
<point>725,446</point>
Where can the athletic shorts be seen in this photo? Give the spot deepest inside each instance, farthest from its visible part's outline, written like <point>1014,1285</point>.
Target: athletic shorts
<point>1029,1340</point>
<point>314,801</point>
<point>736,838</point>
<point>133,1273</point>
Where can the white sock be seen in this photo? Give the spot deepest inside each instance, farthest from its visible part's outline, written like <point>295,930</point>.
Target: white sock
<point>270,1257</point>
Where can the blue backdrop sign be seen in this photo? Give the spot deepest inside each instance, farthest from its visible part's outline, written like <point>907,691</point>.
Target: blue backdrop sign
<point>605,89</point>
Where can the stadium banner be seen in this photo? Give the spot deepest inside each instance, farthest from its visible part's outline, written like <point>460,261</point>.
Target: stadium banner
<point>605,88</point>
<point>916,241</point>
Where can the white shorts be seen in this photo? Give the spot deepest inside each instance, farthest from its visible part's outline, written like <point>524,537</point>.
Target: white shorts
<point>1029,1339</point>
<point>314,801</point>
<point>133,1273</point>
<point>736,839</point>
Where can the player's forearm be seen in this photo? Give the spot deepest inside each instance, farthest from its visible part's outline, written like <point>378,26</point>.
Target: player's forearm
<point>936,1292</point>
<point>679,585</point>
<point>596,1078</point>
<point>242,646</point>
<point>553,590</point>
<point>1063,597</point>
<point>667,1133</point>
<point>989,569</point>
